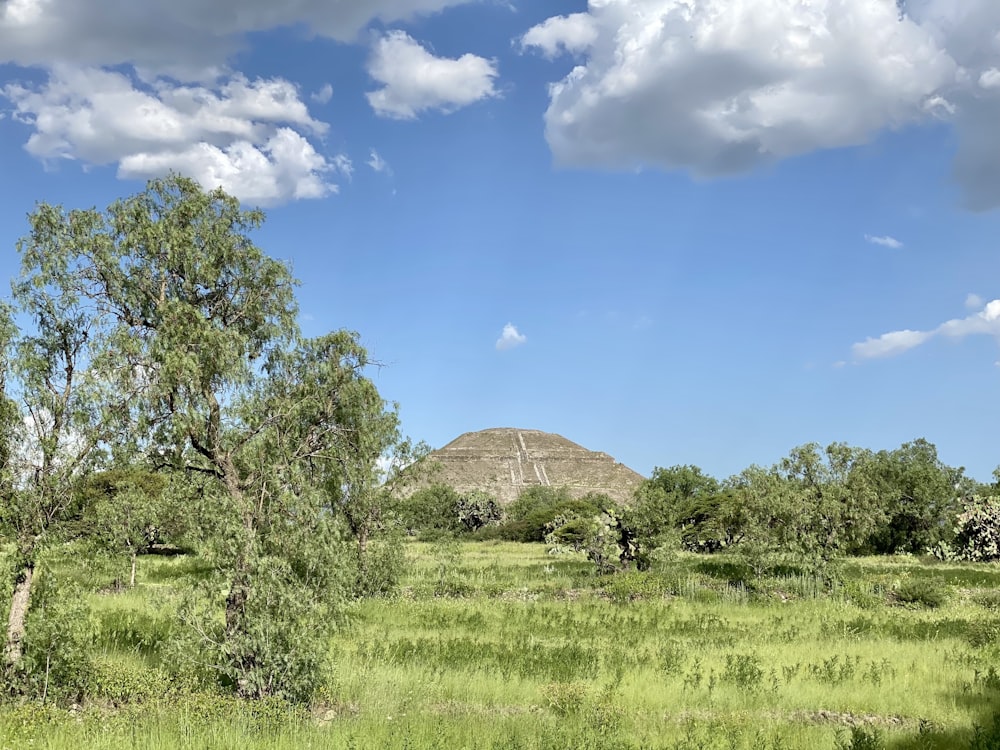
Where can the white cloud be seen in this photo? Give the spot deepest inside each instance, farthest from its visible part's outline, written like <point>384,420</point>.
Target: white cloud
<point>156,34</point>
<point>990,79</point>
<point>884,241</point>
<point>510,337</point>
<point>415,80</point>
<point>377,163</point>
<point>889,344</point>
<point>974,302</point>
<point>984,322</point>
<point>721,86</point>
<point>245,136</point>
<point>573,33</point>
<point>324,95</point>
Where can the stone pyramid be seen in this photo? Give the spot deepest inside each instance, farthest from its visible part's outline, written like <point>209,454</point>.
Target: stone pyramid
<point>506,461</point>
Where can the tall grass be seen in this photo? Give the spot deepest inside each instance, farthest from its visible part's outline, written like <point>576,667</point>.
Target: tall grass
<point>499,645</point>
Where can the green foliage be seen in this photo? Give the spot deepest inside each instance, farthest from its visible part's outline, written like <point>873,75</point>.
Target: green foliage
<point>565,698</point>
<point>606,539</point>
<point>922,592</point>
<point>744,671</point>
<point>380,567</point>
<point>476,510</point>
<point>806,510</point>
<point>977,530</point>
<point>204,372</point>
<point>683,499</point>
<point>123,681</point>
<point>429,510</point>
<point>56,663</point>
<point>916,498</point>
<point>530,517</point>
<point>861,738</point>
<point>280,650</point>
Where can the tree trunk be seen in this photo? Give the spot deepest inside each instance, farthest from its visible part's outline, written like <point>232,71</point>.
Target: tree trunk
<point>131,580</point>
<point>236,600</point>
<point>18,614</point>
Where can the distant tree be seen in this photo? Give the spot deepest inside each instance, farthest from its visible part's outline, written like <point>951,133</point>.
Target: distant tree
<point>804,509</point>
<point>127,510</point>
<point>683,502</point>
<point>918,495</point>
<point>529,517</point>
<point>430,510</point>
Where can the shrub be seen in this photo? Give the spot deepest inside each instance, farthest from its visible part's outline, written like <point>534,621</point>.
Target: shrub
<point>565,698</point>
<point>430,510</point>
<point>59,630</point>
<point>476,510</point>
<point>121,681</point>
<point>977,532</point>
<point>861,738</point>
<point>920,591</point>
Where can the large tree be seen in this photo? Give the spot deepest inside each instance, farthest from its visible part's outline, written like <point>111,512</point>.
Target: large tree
<point>203,332</point>
<point>807,509</point>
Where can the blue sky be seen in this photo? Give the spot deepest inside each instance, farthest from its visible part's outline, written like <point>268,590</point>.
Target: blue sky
<point>699,232</point>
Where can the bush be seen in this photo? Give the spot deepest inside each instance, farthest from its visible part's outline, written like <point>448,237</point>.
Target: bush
<point>529,518</point>
<point>279,647</point>
<point>476,510</point>
<point>121,682</point>
<point>430,510</point>
<point>977,532</point>
<point>922,592</point>
<point>565,698</point>
<point>58,633</point>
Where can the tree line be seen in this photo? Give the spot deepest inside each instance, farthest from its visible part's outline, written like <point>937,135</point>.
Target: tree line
<point>811,508</point>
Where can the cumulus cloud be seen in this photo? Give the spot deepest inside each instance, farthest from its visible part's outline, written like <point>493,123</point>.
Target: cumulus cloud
<point>248,137</point>
<point>986,321</point>
<point>719,87</point>
<point>414,80</point>
<point>884,241</point>
<point>510,337</point>
<point>156,34</point>
<point>974,302</point>
<point>573,33</point>
<point>324,95</point>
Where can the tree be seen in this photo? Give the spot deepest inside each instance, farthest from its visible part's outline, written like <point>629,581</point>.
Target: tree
<point>684,499</point>
<point>430,510</point>
<point>127,510</point>
<point>804,510</point>
<point>917,493</point>
<point>203,333</point>
<point>53,407</point>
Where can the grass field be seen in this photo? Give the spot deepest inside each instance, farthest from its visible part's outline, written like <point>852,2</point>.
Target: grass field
<point>502,646</point>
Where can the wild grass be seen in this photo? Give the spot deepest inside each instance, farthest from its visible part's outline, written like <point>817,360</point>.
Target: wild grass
<point>499,645</point>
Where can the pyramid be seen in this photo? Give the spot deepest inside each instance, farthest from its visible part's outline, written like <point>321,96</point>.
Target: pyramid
<point>506,461</point>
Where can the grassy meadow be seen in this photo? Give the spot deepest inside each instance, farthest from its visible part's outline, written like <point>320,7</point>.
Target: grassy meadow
<point>500,645</point>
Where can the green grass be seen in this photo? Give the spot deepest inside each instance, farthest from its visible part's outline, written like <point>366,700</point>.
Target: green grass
<point>498,645</point>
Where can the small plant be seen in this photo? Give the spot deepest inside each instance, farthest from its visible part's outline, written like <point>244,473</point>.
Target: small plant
<point>920,592</point>
<point>565,698</point>
<point>861,738</point>
<point>743,671</point>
